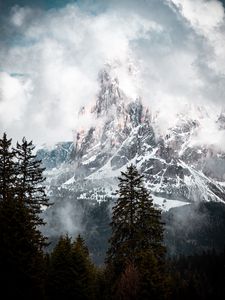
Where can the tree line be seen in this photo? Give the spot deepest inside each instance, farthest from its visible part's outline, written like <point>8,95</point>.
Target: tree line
<point>136,266</point>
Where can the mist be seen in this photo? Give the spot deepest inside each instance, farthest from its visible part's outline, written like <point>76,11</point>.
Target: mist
<point>50,60</point>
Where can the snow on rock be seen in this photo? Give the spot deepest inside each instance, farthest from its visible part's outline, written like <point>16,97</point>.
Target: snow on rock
<point>166,204</point>
<point>122,132</point>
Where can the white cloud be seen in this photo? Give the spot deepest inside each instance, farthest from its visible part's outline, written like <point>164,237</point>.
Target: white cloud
<point>206,17</point>
<point>20,15</point>
<point>209,135</point>
<point>178,55</point>
<point>61,52</point>
<point>14,97</point>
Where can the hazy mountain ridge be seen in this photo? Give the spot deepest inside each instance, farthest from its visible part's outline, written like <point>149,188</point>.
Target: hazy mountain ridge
<point>114,132</point>
<point>123,132</point>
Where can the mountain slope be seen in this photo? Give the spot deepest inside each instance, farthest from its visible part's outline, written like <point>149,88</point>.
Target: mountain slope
<point>123,131</point>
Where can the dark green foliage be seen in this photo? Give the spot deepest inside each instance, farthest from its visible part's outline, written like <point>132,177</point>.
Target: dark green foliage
<point>136,249</point>
<point>29,185</point>
<point>30,177</point>
<point>136,267</point>
<point>200,276</point>
<point>150,227</point>
<point>90,214</point>
<point>21,242</point>
<point>195,228</point>
<point>60,271</point>
<point>154,279</point>
<point>128,285</point>
<point>21,262</point>
<point>7,169</point>
<point>71,273</point>
<point>85,269</point>
<point>136,224</point>
<point>98,231</point>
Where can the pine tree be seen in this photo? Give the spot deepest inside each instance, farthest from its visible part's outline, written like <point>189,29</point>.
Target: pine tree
<point>85,282</point>
<point>21,262</point>
<point>21,242</point>
<point>60,281</point>
<point>137,233</point>
<point>128,286</point>
<point>29,184</point>
<point>136,223</point>
<point>150,226</point>
<point>7,168</point>
<point>123,243</point>
<point>71,273</point>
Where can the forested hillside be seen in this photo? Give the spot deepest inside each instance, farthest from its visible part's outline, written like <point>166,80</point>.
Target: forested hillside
<point>137,264</point>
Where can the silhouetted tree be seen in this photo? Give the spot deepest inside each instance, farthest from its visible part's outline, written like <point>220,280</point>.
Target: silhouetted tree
<point>71,273</point>
<point>60,283</point>
<point>136,223</point>
<point>7,168</point>
<point>137,233</point>
<point>29,184</point>
<point>21,242</point>
<point>85,281</point>
<point>128,286</point>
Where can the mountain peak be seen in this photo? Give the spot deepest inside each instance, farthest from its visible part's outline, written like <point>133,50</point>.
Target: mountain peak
<point>120,130</point>
<point>109,95</point>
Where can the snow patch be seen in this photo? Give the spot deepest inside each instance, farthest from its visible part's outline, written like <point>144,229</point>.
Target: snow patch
<point>167,204</point>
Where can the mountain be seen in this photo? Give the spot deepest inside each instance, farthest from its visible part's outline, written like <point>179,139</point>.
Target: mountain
<point>124,131</point>
<point>183,175</point>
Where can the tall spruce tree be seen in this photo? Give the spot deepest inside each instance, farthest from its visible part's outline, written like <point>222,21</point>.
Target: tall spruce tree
<point>136,224</point>
<point>21,261</point>
<point>60,279</point>
<point>71,273</point>
<point>21,256</point>
<point>123,242</point>
<point>29,184</point>
<point>150,226</point>
<point>85,281</point>
<point>7,168</point>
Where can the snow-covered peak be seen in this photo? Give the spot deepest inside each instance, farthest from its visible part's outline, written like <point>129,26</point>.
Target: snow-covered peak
<point>110,98</point>
<point>121,130</point>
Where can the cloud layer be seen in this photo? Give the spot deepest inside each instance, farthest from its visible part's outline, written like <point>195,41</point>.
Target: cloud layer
<point>50,61</point>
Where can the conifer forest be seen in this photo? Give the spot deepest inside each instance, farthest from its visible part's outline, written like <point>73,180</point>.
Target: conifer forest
<point>136,264</point>
<point>112,149</point>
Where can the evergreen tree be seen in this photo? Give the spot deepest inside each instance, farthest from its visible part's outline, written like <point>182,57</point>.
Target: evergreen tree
<point>123,243</point>
<point>128,286</point>
<point>60,281</point>
<point>29,185</point>
<point>150,226</point>
<point>71,273</point>
<point>7,168</point>
<point>21,242</point>
<point>21,262</point>
<point>136,223</point>
<point>85,282</point>
<point>137,238</point>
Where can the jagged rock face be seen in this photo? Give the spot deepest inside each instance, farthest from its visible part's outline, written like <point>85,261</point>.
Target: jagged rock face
<point>221,121</point>
<point>116,118</point>
<point>60,154</point>
<point>123,133</point>
<point>109,95</point>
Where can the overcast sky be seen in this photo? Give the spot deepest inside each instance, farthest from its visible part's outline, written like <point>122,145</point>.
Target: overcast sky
<point>51,53</point>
